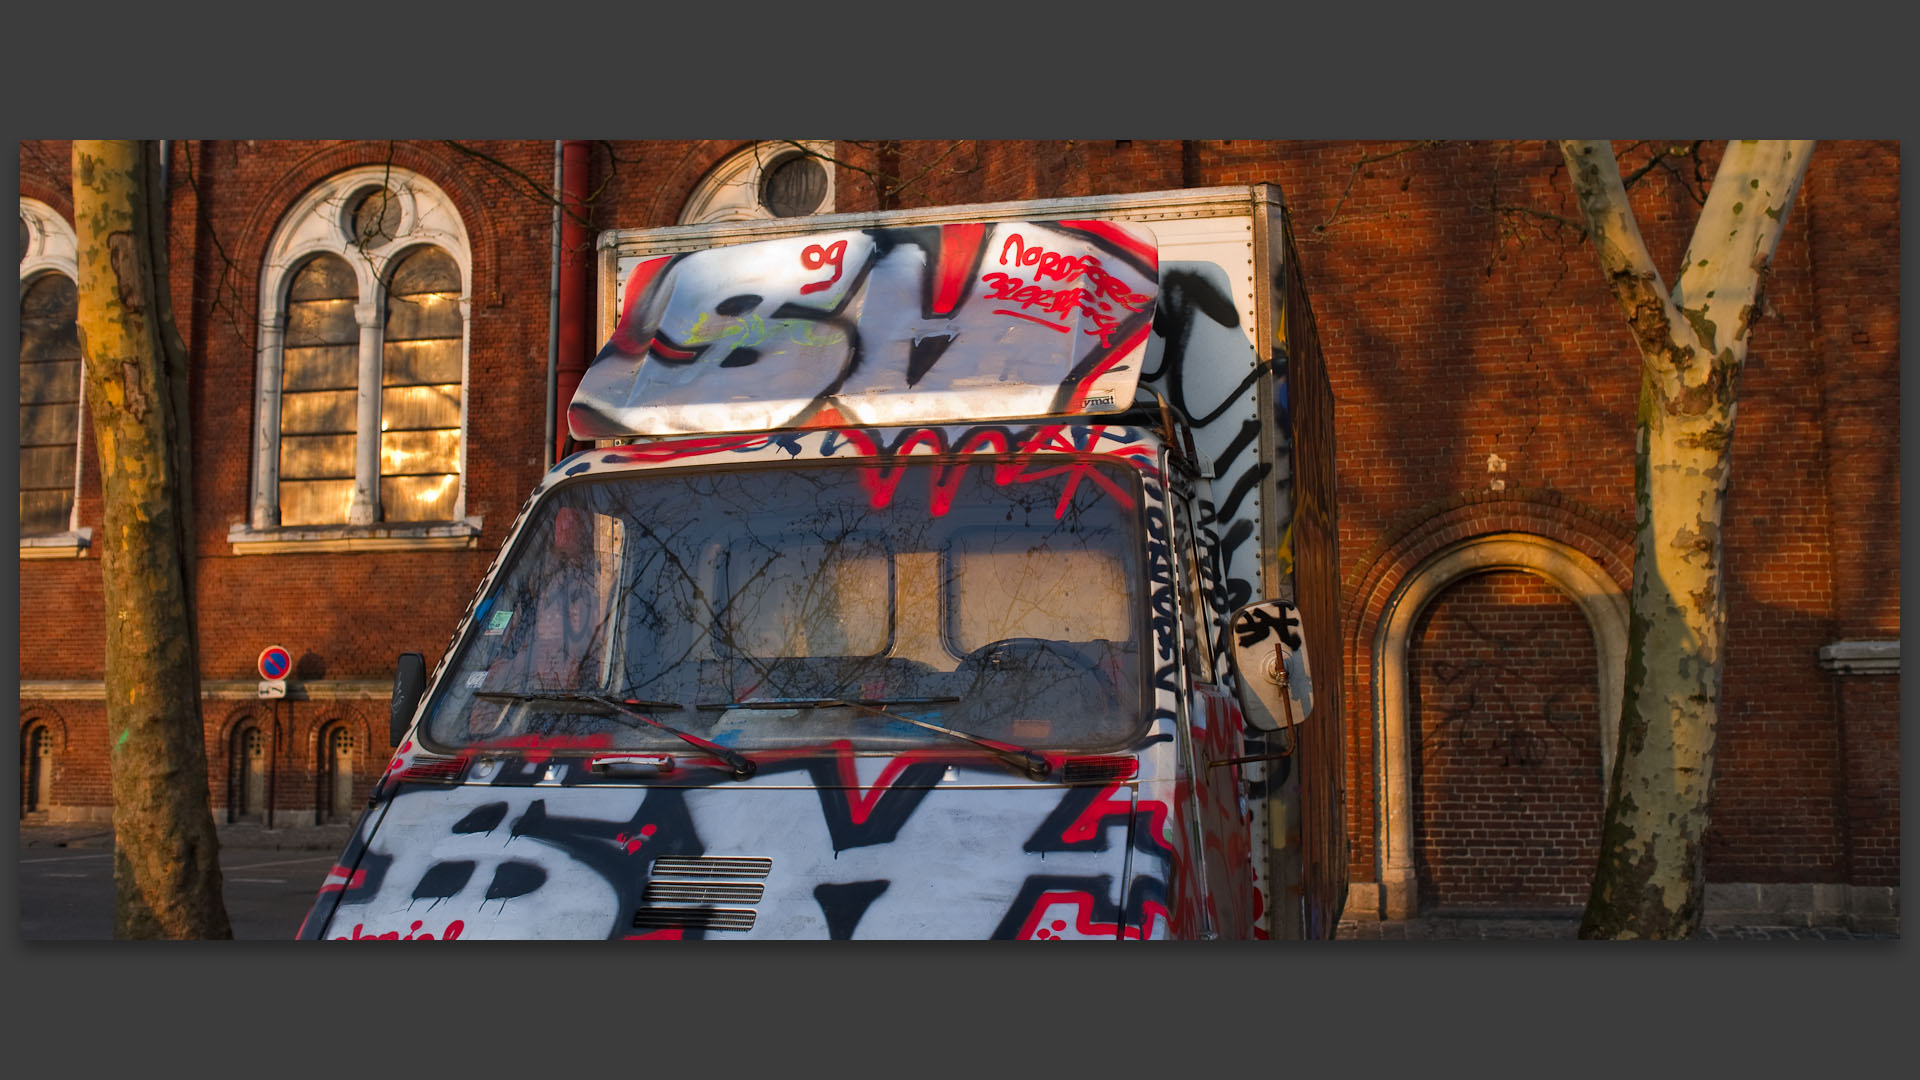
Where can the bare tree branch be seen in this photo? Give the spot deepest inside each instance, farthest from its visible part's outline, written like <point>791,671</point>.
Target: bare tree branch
<point>541,193</point>
<point>1359,166</point>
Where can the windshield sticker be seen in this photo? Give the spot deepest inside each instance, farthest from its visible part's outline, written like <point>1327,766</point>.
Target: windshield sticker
<point>477,680</point>
<point>498,623</point>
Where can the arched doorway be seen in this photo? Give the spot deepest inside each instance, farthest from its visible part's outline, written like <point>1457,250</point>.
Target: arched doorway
<point>1504,746</point>
<point>247,774</point>
<point>37,754</point>
<point>334,778</point>
<point>1597,596</point>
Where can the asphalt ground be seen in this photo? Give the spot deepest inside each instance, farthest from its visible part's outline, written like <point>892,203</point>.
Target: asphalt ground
<point>271,877</point>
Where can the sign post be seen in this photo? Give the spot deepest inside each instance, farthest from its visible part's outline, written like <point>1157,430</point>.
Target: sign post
<point>275,664</point>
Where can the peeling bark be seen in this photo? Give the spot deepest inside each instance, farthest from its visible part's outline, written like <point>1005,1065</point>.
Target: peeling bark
<point>1651,880</point>
<point>166,854</point>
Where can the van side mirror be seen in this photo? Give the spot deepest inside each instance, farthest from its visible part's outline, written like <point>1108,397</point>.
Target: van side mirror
<point>409,682</point>
<point>1274,682</point>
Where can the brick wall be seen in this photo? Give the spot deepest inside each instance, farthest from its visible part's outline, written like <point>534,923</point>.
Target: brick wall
<point>1507,788</point>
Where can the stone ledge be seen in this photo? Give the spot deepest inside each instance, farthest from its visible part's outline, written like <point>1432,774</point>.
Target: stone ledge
<point>1858,907</point>
<point>354,539</point>
<point>216,689</point>
<point>1861,657</point>
<point>66,545</point>
<point>1866,908</point>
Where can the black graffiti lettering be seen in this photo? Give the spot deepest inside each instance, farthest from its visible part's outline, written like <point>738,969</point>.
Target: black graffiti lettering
<point>890,809</point>
<point>923,354</point>
<point>1242,486</point>
<point>514,879</point>
<point>443,880</point>
<point>1261,624</point>
<point>1167,677</point>
<point>1186,295</point>
<point>662,818</point>
<point>844,903</point>
<point>1238,591</point>
<point>482,819</point>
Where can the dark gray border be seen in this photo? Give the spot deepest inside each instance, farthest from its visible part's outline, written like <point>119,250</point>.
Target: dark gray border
<point>1187,70</point>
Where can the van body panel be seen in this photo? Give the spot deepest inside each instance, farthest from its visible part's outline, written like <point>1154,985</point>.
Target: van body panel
<point>922,849</point>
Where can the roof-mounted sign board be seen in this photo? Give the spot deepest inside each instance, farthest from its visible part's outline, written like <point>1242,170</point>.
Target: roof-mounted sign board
<point>925,324</point>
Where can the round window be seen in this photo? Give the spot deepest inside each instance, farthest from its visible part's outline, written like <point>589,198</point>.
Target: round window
<point>793,186</point>
<point>376,217</point>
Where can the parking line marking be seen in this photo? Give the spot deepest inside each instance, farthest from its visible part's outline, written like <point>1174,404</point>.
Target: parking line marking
<point>283,862</point>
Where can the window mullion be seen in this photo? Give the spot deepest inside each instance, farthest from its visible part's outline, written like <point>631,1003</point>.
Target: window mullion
<point>366,446</point>
<point>266,462</point>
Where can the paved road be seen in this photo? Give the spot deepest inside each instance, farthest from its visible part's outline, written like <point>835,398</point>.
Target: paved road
<point>69,897</point>
<point>270,880</point>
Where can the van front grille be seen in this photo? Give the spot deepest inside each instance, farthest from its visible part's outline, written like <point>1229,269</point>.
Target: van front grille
<point>685,893</point>
<point>693,918</point>
<point>702,892</point>
<point>711,866</point>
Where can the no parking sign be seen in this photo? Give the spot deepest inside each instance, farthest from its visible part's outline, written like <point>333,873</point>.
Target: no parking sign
<point>275,662</point>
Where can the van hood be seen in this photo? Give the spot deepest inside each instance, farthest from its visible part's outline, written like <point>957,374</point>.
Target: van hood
<point>917,850</point>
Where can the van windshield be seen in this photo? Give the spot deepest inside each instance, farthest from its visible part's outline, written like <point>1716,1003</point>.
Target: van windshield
<point>994,596</point>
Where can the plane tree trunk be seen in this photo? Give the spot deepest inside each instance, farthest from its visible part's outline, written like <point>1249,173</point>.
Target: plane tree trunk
<point>166,854</point>
<point>1692,340</point>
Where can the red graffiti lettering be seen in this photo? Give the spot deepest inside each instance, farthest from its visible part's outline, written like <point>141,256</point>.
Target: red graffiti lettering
<point>1058,304</point>
<point>632,843</point>
<point>1078,920</point>
<point>883,481</point>
<point>339,880</point>
<point>816,257</point>
<point>450,933</point>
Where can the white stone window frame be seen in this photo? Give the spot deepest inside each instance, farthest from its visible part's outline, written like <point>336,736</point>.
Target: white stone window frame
<point>53,248</point>
<point>731,190</point>
<point>321,222</point>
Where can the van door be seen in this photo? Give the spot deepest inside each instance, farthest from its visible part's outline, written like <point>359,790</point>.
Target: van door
<point>1220,782</point>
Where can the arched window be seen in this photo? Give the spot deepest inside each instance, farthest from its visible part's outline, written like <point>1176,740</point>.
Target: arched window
<point>335,777</point>
<point>37,752</point>
<point>363,355</point>
<point>50,384</point>
<point>770,179</point>
<point>420,389</point>
<point>319,381</point>
<point>247,774</point>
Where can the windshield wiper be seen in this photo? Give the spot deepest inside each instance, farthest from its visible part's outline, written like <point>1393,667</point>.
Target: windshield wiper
<point>820,702</point>
<point>570,695</point>
<point>1033,764</point>
<point>628,707</point>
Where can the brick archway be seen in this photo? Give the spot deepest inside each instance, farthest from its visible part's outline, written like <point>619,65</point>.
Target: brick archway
<point>1599,598</point>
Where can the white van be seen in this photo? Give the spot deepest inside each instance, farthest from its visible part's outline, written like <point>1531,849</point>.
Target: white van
<point>901,595</point>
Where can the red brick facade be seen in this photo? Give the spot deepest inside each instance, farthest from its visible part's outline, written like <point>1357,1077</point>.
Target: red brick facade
<point>1484,386</point>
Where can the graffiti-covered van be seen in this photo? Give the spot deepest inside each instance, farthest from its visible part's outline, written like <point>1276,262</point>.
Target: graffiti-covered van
<point>956,573</point>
